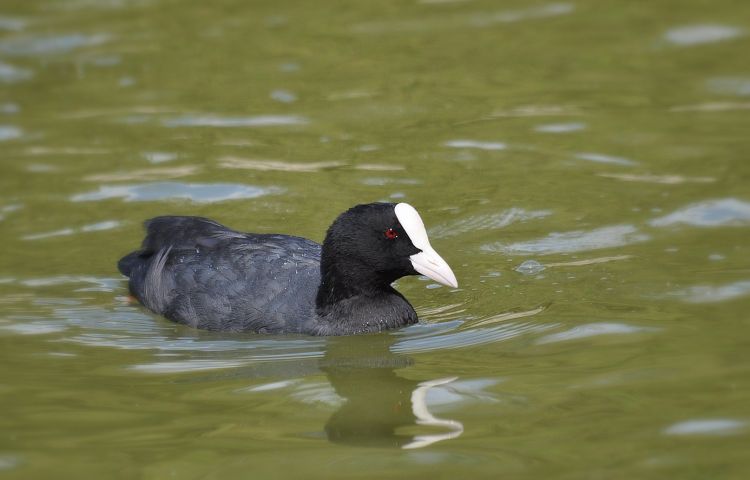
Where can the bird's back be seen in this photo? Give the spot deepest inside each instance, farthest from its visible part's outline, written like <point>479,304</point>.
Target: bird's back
<point>199,273</point>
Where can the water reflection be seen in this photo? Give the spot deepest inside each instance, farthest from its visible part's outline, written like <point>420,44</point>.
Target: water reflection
<point>377,396</point>
<point>381,408</point>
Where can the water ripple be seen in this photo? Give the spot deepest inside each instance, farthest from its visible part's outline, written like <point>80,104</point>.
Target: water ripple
<point>659,179</point>
<point>543,11</point>
<point>382,181</point>
<point>713,294</point>
<point>712,426</point>
<point>6,209</point>
<point>276,165</point>
<point>711,107</point>
<point>700,34</point>
<point>537,111</point>
<point>197,365</point>
<point>575,241</point>
<point>9,462</point>
<point>467,338</point>
<point>593,330</point>
<point>56,151</point>
<point>145,174</point>
<point>475,144</point>
<point>159,157</point>
<point>195,192</point>
<point>52,44</point>
<point>710,213</point>
<point>739,86</point>
<point>489,221</point>
<point>180,349</point>
<point>225,122</point>
<point>601,158</point>
<point>12,74</point>
<point>33,327</point>
<point>92,227</point>
<point>9,132</point>
<point>181,366</point>
<point>128,327</point>
<point>100,284</point>
<point>473,20</point>
<point>12,24</point>
<point>9,108</point>
<point>560,127</point>
<point>283,96</point>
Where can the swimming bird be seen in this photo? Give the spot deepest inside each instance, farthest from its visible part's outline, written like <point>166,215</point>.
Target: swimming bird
<point>197,272</point>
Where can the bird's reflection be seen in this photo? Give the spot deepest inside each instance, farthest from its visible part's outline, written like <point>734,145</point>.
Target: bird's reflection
<point>381,408</point>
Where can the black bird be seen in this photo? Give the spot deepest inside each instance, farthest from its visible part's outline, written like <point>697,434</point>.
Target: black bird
<point>200,273</point>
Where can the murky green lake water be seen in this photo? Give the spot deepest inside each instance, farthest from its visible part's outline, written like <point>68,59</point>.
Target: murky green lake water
<point>583,166</point>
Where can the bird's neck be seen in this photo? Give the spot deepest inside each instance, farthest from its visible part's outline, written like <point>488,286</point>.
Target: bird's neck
<point>344,279</point>
<point>354,300</point>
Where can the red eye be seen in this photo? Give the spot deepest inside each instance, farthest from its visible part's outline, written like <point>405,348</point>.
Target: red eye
<point>391,234</point>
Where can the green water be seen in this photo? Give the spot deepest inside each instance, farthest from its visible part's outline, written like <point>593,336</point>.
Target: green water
<point>607,141</point>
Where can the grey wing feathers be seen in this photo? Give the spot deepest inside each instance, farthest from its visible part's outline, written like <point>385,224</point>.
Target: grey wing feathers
<point>184,232</point>
<point>197,272</point>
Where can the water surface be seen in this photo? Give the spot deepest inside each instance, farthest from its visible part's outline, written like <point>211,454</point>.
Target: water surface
<point>582,166</point>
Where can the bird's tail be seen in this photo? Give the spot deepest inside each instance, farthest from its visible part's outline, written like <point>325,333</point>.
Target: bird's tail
<point>128,262</point>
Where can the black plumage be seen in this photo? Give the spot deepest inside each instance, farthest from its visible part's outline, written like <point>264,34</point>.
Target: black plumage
<point>197,272</point>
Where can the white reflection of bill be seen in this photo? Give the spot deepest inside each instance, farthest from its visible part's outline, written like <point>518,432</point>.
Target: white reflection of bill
<point>424,417</point>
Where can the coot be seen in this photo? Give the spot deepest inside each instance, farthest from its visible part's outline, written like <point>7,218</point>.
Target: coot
<point>200,273</point>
